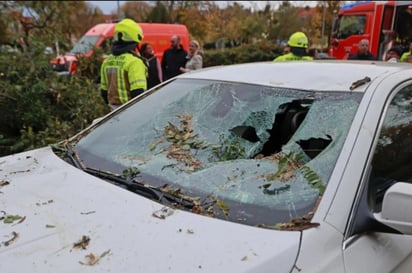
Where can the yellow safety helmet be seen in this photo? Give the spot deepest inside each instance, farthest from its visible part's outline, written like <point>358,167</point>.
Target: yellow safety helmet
<point>130,31</point>
<point>298,39</point>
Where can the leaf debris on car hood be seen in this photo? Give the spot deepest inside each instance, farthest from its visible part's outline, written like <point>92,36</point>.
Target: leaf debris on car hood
<point>123,223</point>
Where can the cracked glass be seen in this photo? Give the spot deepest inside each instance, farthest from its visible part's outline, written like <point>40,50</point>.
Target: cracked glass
<point>266,153</point>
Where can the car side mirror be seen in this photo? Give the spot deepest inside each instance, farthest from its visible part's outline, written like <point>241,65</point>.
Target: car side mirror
<point>397,208</point>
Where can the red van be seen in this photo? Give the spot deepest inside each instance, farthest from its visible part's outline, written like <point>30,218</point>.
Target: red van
<point>157,34</point>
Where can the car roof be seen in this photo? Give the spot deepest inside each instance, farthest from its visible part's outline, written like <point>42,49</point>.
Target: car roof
<point>328,75</point>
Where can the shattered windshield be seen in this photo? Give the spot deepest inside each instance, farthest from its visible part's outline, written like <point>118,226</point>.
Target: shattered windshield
<point>262,154</point>
<point>85,44</point>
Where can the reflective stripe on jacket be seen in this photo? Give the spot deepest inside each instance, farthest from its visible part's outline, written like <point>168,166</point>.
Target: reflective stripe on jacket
<point>405,56</point>
<point>121,74</point>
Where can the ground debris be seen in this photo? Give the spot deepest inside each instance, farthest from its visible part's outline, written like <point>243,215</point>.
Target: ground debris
<point>163,213</point>
<point>296,224</point>
<point>82,243</point>
<point>44,203</point>
<point>92,259</point>
<point>14,237</point>
<point>182,141</point>
<point>10,219</point>
<point>4,183</point>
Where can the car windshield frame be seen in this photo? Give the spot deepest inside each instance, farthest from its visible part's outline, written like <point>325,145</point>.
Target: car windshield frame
<point>256,155</point>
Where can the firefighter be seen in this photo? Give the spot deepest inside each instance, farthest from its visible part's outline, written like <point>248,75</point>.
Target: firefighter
<point>406,56</point>
<point>298,44</point>
<point>123,73</point>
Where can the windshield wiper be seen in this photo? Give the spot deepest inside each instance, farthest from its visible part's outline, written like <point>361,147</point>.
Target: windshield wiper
<point>131,184</point>
<point>68,154</point>
<point>73,156</point>
<point>153,193</point>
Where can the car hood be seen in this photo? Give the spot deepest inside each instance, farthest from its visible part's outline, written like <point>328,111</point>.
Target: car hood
<point>57,218</point>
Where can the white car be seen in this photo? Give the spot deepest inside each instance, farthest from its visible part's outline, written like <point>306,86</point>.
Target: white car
<point>262,167</point>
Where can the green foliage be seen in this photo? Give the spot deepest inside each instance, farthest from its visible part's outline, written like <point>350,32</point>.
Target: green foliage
<point>287,164</point>
<point>313,178</point>
<point>230,149</point>
<point>255,52</point>
<point>159,14</point>
<point>130,172</point>
<point>37,107</point>
<point>89,67</point>
<point>275,191</point>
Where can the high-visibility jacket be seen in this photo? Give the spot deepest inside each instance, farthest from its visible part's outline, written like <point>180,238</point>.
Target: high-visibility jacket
<point>292,57</point>
<point>405,56</point>
<point>121,74</point>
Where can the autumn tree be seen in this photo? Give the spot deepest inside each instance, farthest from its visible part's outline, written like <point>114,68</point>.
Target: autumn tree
<point>37,107</point>
<point>136,10</point>
<point>215,19</point>
<point>194,15</point>
<point>227,26</point>
<point>332,7</point>
<point>5,18</point>
<point>82,17</point>
<point>53,21</point>
<point>159,14</point>
<point>285,21</point>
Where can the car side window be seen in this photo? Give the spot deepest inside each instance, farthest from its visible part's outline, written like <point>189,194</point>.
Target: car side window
<point>392,159</point>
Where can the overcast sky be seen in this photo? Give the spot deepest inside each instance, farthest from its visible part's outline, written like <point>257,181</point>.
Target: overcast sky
<point>108,6</point>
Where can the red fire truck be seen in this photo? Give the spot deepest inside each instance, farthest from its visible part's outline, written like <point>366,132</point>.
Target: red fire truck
<point>384,23</point>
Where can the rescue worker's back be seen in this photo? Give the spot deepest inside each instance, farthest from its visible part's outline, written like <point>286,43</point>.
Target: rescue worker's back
<point>123,73</point>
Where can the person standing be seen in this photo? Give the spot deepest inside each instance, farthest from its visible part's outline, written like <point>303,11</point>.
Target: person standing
<point>363,52</point>
<point>123,73</point>
<point>155,70</point>
<point>298,45</point>
<point>394,54</point>
<point>406,56</point>
<point>173,58</point>
<point>194,58</point>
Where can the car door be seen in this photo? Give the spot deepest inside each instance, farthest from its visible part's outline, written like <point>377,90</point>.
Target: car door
<point>370,246</point>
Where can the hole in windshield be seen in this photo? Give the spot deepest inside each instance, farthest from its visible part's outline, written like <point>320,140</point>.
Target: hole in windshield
<point>246,153</point>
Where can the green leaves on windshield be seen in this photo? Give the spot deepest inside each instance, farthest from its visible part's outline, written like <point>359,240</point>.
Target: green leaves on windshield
<point>182,140</point>
<point>130,172</point>
<point>288,164</point>
<point>313,178</point>
<point>230,149</point>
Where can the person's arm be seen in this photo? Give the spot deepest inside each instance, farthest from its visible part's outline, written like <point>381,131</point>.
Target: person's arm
<point>103,84</point>
<point>103,93</point>
<point>136,92</point>
<point>197,62</point>
<point>159,70</point>
<point>137,77</point>
<point>164,62</point>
